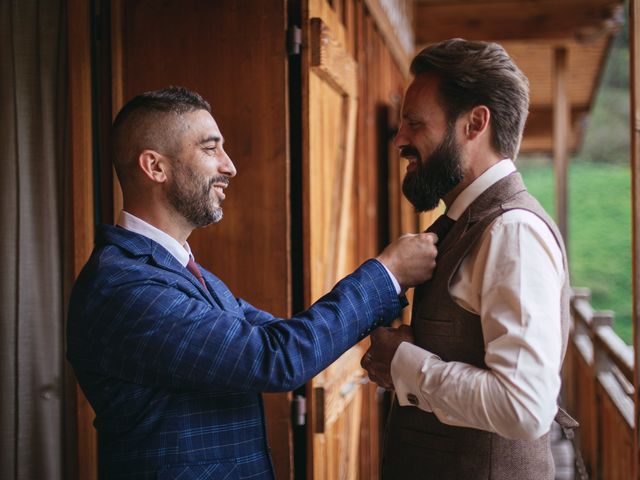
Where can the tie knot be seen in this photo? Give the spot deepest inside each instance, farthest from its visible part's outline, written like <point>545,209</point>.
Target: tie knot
<point>441,226</point>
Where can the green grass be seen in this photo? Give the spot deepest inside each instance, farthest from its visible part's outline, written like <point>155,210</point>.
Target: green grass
<point>599,231</point>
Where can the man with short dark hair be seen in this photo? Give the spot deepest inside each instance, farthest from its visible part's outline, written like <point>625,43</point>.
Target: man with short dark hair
<point>172,363</point>
<point>477,375</point>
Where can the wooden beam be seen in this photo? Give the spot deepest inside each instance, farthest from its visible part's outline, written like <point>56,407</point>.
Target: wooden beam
<point>538,131</point>
<point>515,20</point>
<point>397,48</point>
<point>634,68</point>
<point>81,157</point>
<point>561,131</point>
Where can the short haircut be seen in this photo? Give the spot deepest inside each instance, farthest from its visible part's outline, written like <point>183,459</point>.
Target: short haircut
<point>149,121</point>
<point>479,73</point>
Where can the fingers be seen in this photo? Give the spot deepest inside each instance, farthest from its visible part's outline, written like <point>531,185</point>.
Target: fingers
<point>406,332</point>
<point>365,361</point>
<point>376,374</point>
<point>375,336</point>
<point>412,258</point>
<point>379,334</point>
<point>433,236</point>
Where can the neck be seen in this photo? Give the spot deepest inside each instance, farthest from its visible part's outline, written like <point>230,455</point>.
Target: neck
<point>472,169</point>
<point>169,222</point>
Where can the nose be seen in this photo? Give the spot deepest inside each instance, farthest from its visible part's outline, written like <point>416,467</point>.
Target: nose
<point>227,167</point>
<point>400,139</point>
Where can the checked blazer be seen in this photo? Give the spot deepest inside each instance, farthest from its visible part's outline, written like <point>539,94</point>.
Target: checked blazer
<point>174,371</point>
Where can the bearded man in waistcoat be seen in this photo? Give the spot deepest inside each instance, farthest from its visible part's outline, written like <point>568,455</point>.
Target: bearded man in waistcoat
<point>477,375</point>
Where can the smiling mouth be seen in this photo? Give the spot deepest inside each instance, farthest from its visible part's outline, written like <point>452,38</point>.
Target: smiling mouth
<point>219,189</point>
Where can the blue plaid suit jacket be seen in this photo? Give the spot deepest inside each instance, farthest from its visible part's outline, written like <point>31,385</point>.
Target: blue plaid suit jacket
<point>174,371</point>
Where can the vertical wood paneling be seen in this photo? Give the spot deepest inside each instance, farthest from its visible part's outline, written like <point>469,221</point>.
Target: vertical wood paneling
<point>347,444</point>
<point>378,178</point>
<point>617,459</point>
<point>81,158</point>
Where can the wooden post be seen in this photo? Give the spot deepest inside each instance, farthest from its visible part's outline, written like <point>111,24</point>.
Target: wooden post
<point>634,68</point>
<point>561,131</point>
<point>81,158</point>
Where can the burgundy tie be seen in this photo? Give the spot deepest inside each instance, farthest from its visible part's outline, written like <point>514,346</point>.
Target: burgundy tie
<point>193,268</point>
<point>441,226</point>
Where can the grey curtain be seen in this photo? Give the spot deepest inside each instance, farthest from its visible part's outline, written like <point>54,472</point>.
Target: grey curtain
<point>33,103</point>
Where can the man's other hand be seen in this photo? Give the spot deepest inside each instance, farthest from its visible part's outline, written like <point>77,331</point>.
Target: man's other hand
<point>411,258</point>
<point>384,343</point>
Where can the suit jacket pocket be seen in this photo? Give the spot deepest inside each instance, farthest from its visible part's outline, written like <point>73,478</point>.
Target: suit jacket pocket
<point>428,441</point>
<point>433,328</point>
<point>211,471</point>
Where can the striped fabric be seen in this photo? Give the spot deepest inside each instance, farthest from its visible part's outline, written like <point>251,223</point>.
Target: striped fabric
<point>174,371</point>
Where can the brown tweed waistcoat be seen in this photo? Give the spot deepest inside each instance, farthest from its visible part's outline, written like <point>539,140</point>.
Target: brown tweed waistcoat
<point>417,444</point>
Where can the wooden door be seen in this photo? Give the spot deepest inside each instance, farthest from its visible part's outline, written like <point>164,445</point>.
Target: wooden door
<point>329,118</point>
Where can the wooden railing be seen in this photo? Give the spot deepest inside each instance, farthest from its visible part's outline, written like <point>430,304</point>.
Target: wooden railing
<point>598,392</point>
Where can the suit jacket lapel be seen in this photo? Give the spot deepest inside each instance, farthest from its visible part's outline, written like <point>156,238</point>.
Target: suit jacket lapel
<point>139,245</point>
<point>170,263</point>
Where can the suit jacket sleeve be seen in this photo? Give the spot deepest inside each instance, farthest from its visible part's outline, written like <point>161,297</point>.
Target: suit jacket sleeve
<point>146,332</point>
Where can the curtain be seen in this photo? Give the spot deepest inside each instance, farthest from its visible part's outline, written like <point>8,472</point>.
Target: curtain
<point>33,110</point>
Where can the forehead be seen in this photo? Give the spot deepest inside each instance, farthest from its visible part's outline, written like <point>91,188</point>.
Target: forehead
<point>198,126</point>
<point>422,96</point>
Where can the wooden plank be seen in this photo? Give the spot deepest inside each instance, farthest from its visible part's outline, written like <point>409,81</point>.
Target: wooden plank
<point>561,115</point>
<point>331,61</point>
<point>616,350</point>
<point>536,60</point>
<point>499,21</point>
<point>538,129</point>
<point>587,413</point>
<point>400,50</point>
<point>618,461</point>
<point>336,67</point>
<point>634,68</point>
<point>117,88</point>
<point>323,9</point>
<point>340,448</point>
<point>81,158</point>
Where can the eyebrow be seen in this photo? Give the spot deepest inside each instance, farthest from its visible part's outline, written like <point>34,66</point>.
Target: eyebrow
<point>211,138</point>
<point>411,116</point>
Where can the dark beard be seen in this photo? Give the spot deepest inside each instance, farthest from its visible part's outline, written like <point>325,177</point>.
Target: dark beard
<point>191,197</point>
<point>427,184</point>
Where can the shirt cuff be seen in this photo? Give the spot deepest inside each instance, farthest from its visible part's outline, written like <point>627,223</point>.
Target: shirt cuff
<point>407,367</point>
<point>393,279</point>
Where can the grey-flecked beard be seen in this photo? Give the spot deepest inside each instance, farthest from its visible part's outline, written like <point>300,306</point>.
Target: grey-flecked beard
<point>430,182</point>
<point>191,197</point>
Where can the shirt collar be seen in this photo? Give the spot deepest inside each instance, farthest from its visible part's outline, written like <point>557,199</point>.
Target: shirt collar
<point>134,224</point>
<point>489,177</point>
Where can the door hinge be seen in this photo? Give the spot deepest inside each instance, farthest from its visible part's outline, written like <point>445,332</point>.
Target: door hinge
<point>294,40</point>
<point>299,410</point>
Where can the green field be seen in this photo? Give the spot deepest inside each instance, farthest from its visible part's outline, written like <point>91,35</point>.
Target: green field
<point>599,231</point>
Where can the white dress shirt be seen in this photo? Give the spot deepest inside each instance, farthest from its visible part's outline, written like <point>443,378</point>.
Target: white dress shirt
<point>182,252</point>
<point>134,224</point>
<point>512,279</point>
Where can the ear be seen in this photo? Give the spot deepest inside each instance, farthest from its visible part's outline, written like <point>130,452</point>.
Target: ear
<point>478,120</point>
<point>153,165</point>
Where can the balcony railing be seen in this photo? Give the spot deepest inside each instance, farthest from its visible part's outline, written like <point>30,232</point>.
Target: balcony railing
<point>598,392</point>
